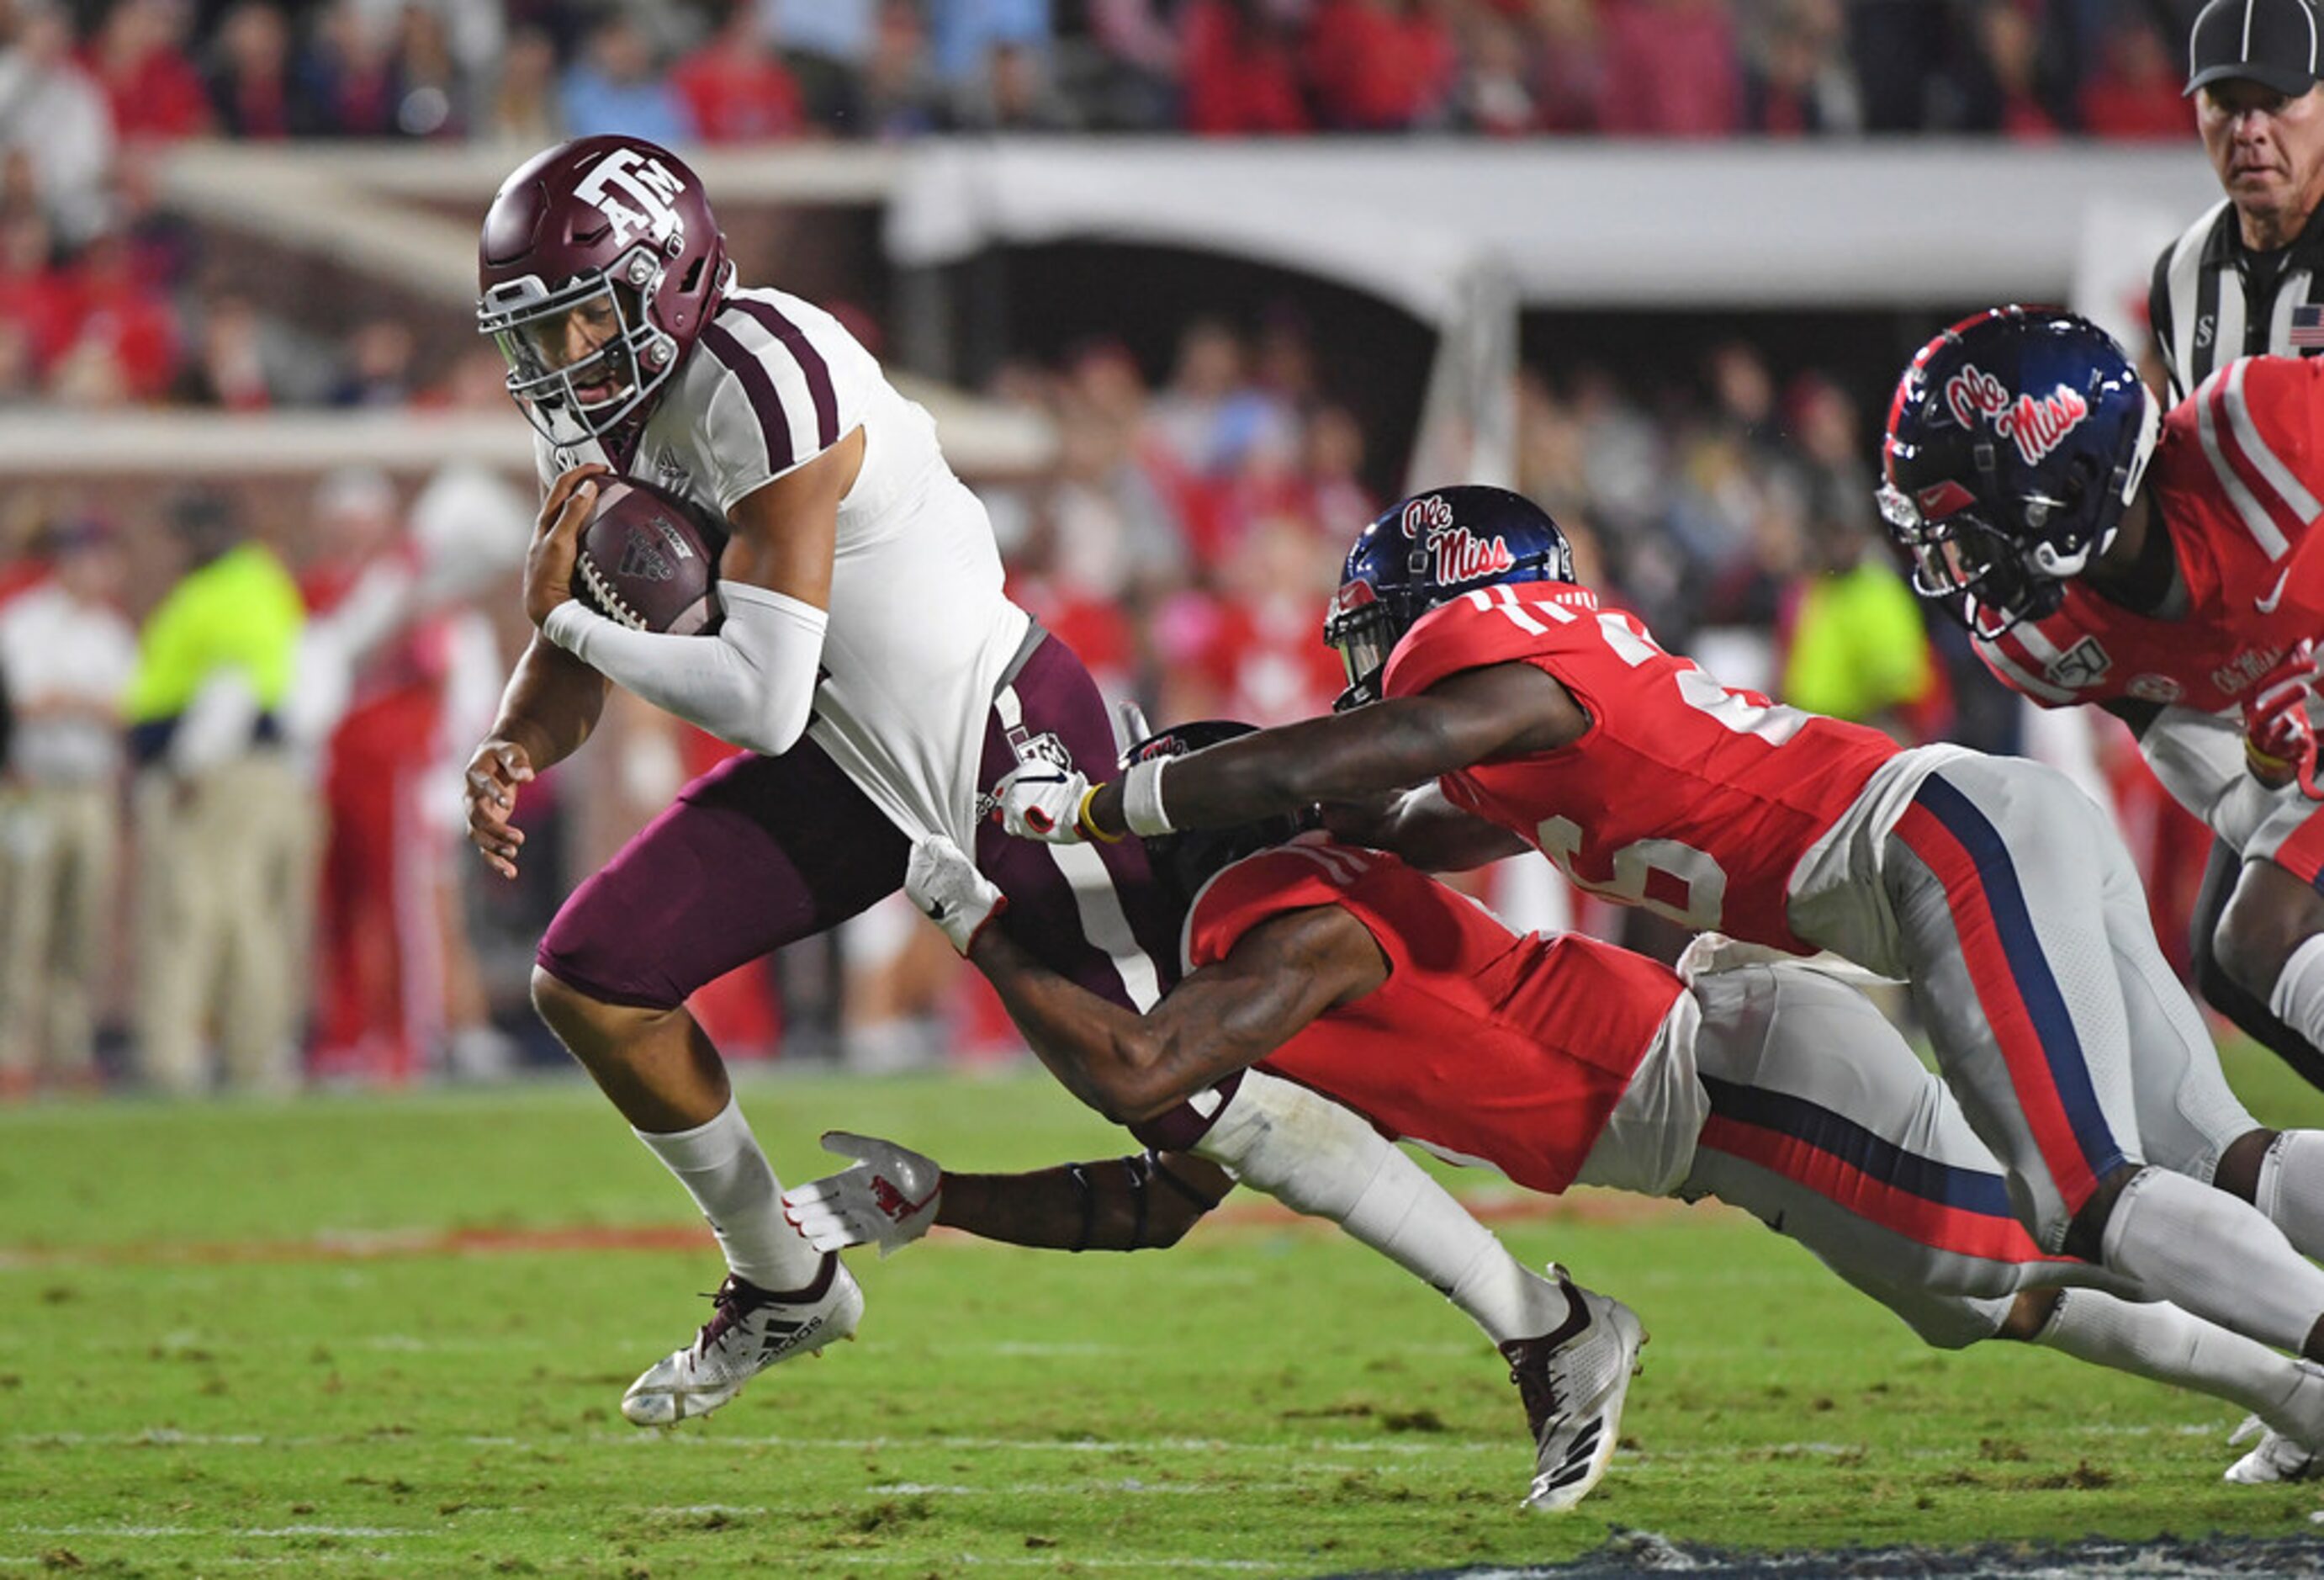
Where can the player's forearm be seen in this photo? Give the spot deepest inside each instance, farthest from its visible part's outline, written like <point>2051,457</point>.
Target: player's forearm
<point>1122,1204</point>
<point>550,704</point>
<point>1426,831</point>
<point>2199,758</point>
<point>1282,770</point>
<point>1102,1053</point>
<point>753,684</point>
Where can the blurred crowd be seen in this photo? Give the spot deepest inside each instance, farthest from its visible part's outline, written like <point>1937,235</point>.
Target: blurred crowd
<point>229,816</point>
<point>102,301</point>
<point>735,70</point>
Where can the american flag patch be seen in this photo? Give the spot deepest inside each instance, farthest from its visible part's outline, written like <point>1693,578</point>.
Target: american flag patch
<point>2307,328</point>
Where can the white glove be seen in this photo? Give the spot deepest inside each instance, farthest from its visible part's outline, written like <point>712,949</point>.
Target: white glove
<point>888,1199</point>
<point>944,883</point>
<point>1040,800</point>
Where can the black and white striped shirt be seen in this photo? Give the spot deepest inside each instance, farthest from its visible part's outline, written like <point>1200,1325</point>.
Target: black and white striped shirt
<point>2214,299</point>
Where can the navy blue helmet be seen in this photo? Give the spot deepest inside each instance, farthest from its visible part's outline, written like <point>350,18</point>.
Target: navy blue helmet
<point>1183,861</point>
<point>2016,439</point>
<point>1427,550</point>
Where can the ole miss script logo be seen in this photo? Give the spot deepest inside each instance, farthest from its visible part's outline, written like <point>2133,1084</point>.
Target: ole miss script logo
<point>2036,426</point>
<point>1461,554</point>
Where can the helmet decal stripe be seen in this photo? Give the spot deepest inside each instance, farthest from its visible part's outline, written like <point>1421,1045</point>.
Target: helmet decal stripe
<point>2253,514</point>
<point>810,362</point>
<point>765,404</point>
<point>2288,487</point>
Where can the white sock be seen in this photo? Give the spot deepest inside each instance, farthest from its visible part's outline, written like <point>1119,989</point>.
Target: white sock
<point>2214,1255</point>
<point>2297,999</point>
<point>1320,1159</point>
<point>2166,1344</point>
<point>730,1180</point>
<point>2291,1187</point>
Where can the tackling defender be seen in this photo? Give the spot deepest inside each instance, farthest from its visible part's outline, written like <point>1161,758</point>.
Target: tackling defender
<point>881,678</point>
<point>2182,597</point>
<point>1989,884</point>
<point>1757,1080</point>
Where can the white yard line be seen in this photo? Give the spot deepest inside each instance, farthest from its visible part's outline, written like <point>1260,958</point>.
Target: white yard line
<point>162,1437</point>
<point>1399,1447</point>
<point>161,1532</point>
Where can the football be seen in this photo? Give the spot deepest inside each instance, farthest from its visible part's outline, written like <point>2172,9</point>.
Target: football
<point>649,559</point>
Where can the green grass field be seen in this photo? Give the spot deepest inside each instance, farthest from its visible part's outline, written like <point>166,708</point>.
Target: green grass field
<point>359,1336</point>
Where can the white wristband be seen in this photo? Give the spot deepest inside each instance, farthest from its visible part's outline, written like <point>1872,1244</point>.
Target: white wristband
<point>1141,798</point>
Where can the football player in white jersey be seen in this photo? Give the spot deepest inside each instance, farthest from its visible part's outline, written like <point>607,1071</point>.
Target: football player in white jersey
<point>871,662</point>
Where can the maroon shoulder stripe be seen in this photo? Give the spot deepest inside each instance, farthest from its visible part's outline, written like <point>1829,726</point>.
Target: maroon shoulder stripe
<point>810,361</point>
<point>737,359</point>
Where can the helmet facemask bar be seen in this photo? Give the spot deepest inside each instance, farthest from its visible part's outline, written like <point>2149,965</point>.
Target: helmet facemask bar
<point>1985,575</point>
<point>1362,627</point>
<point>530,324</point>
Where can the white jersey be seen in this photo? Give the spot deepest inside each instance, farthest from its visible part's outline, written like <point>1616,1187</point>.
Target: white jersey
<point>921,631</point>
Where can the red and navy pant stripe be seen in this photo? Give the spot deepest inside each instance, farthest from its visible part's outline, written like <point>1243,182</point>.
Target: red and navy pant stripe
<point>2019,995</point>
<point>1966,1212</point>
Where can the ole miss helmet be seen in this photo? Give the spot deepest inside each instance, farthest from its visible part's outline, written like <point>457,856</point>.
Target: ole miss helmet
<point>600,262</point>
<point>2015,441</point>
<point>1424,551</point>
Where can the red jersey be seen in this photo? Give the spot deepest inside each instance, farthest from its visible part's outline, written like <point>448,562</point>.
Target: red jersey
<point>1483,1043</point>
<point>2231,484</point>
<point>1686,797</point>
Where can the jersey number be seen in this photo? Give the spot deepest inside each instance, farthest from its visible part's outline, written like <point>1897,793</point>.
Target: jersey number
<point>1693,887</point>
<point>1696,883</point>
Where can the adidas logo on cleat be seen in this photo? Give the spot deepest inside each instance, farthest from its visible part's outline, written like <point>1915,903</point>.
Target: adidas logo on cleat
<point>784,1336</point>
<point>1574,1466</point>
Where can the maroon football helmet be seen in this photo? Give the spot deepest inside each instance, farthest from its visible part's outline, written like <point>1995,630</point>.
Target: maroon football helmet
<point>600,261</point>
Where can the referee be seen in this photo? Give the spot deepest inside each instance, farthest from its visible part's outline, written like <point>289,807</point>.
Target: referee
<point>2248,279</point>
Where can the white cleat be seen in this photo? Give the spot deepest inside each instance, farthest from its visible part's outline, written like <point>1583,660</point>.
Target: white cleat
<point>2274,1458</point>
<point>2289,1435</point>
<point>750,1331</point>
<point>1573,1381</point>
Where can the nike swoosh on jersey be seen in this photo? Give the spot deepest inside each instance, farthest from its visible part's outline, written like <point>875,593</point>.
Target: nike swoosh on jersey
<point>2266,605</point>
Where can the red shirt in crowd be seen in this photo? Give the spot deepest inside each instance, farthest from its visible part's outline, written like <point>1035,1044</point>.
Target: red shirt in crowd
<point>158,95</point>
<point>1670,70</point>
<point>737,96</point>
<point>1238,78</point>
<point>1375,66</point>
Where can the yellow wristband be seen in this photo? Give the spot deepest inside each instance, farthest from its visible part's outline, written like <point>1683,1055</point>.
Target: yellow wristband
<point>1088,825</point>
<point>2270,771</point>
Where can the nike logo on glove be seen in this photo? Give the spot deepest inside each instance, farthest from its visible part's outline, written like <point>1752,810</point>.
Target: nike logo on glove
<point>2266,605</point>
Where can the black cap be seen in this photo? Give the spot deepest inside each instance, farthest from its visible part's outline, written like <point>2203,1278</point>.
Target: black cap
<point>2272,43</point>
